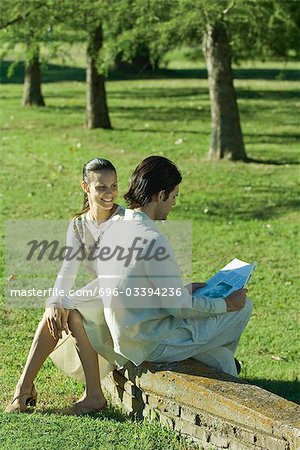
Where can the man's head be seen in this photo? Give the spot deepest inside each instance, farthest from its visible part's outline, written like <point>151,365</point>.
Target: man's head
<point>154,186</point>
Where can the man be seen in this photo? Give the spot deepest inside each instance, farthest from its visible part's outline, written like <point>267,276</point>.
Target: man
<point>151,315</point>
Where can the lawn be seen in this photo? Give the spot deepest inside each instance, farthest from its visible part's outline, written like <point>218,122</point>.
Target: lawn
<point>248,211</point>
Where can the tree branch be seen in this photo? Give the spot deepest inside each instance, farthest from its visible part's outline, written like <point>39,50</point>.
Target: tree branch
<point>22,16</point>
<point>229,7</point>
<point>15,20</point>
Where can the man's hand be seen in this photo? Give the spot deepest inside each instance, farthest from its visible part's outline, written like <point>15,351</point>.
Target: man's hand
<point>236,300</point>
<point>57,321</point>
<point>193,286</point>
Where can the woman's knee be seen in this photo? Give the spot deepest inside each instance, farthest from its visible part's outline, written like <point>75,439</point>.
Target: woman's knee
<point>43,323</point>
<point>74,321</point>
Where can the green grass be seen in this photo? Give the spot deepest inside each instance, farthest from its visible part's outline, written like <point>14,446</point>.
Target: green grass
<point>84,433</point>
<point>249,211</point>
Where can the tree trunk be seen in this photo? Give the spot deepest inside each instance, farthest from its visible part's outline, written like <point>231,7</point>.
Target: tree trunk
<point>140,63</point>
<point>96,106</point>
<point>32,93</point>
<point>226,138</point>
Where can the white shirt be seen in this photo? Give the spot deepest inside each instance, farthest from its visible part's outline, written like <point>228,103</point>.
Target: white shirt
<point>139,322</point>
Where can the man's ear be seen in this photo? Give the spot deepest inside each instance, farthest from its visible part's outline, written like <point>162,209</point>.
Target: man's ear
<point>85,187</point>
<point>161,195</point>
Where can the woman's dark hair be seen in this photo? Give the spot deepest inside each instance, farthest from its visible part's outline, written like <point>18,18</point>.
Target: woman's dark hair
<point>92,166</point>
<point>152,175</point>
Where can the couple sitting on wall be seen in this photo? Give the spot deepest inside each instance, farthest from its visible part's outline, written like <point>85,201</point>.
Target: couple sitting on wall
<point>136,308</point>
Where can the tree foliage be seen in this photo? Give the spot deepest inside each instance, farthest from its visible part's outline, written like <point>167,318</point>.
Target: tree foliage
<point>256,28</point>
<point>253,28</point>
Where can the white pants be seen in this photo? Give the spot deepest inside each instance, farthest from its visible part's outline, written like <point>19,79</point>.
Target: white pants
<point>212,340</point>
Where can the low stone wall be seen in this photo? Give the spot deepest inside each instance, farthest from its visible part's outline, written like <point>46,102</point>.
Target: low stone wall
<point>214,409</point>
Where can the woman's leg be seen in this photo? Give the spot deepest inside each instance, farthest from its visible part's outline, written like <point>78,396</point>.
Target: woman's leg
<point>42,345</point>
<point>93,397</point>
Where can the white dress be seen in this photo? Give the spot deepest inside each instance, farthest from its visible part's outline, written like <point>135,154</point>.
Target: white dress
<point>83,231</point>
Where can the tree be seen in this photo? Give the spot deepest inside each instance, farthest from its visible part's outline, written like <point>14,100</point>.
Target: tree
<point>38,22</point>
<point>226,137</point>
<point>139,63</point>
<point>32,92</point>
<point>226,132</point>
<point>96,105</point>
<point>226,30</point>
<point>238,29</point>
<point>227,26</point>
<point>175,22</point>
<point>85,21</point>
<point>23,22</point>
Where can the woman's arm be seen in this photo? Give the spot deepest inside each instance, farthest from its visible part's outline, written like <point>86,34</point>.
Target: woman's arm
<point>67,274</point>
<point>85,294</point>
<point>56,315</point>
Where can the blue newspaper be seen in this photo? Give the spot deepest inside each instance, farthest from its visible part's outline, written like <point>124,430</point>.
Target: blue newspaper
<point>235,275</point>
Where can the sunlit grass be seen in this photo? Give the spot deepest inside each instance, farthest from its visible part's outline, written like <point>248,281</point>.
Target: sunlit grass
<point>239,210</point>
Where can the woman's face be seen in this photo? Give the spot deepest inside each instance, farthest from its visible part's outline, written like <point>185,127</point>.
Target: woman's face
<point>102,190</point>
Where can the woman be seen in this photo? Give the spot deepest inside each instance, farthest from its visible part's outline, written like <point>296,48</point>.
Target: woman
<point>100,188</point>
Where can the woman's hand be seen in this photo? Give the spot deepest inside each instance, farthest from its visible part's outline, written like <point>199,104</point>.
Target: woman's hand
<point>57,320</point>
<point>193,286</point>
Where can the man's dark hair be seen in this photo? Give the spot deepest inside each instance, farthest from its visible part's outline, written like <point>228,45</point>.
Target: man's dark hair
<point>152,175</point>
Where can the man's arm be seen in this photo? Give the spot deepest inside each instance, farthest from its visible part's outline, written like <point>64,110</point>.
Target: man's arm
<point>166,275</point>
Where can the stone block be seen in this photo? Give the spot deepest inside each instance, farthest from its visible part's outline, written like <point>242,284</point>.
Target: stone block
<point>166,421</point>
<point>247,436</point>
<point>164,405</point>
<point>271,443</point>
<point>112,388</point>
<point>236,445</point>
<point>194,385</point>
<point>219,441</point>
<point>131,403</point>
<point>202,402</point>
<point>190,415</point>
<point>147,411</point>
<point>190,430</point>
<point>145,397</point>
<point>125,384</point>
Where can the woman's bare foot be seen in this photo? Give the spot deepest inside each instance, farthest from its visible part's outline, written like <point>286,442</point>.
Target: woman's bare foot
<point>86,405</point>
<point>23,398</point>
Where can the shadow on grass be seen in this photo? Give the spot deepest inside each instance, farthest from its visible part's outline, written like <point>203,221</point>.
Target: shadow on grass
<point>160,114</point>
<point>111,413</point>
<point>50,73</point>
<point>264,94</point>
<point>270,138</point>
<point>56,72</point>
<point>197,93</point>
<point>255,210</point>
<point>168,132</point>
<point>273,162</point>
<point>163,92</point>
<point>290,390</point>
